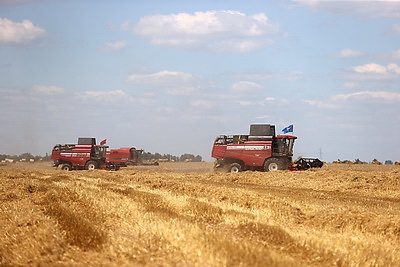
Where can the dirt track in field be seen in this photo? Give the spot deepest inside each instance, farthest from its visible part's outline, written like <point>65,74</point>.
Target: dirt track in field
<point>184,214</point>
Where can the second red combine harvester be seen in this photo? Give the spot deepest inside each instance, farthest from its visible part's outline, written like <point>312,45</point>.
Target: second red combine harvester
<point>87,155</point>
<point>260,150</point>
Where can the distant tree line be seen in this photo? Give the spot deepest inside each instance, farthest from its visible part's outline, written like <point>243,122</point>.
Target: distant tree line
<point>358,161</point>
<point>25,156</point>
<point>147,156</point>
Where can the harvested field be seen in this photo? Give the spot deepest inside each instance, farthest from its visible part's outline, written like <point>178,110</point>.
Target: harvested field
<point>183,214</point>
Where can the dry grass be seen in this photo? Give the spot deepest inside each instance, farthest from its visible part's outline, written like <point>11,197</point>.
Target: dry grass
<point>182,214</point>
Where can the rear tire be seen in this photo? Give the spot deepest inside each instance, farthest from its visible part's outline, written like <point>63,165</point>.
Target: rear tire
<point>66,167</point>
<point>235,167</point>
<point>275,164</point>
<point>91,165</point>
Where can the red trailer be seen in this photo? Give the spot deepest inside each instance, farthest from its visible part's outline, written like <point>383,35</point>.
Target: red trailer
<point>124,156</point>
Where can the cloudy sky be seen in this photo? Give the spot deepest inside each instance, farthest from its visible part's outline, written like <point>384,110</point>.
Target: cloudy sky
<point>169,76</point>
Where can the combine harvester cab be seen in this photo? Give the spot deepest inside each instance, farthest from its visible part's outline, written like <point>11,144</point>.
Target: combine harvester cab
<point>260,150</point>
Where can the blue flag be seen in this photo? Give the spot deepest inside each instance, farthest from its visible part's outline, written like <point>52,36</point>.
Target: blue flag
<point>288,129</point>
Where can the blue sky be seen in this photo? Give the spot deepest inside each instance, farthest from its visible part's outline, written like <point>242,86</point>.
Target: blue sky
<point>169,76</point>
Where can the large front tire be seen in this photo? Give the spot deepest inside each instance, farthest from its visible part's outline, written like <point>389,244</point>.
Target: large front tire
<point>274,164</point>
<point>91,165</point>
<point>66,167</point>
<point>235,167</point>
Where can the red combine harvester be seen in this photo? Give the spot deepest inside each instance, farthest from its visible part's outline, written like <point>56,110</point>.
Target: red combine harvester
<point>260,150</point>
<point>89,156</point>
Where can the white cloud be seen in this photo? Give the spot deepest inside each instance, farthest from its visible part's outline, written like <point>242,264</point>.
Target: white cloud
<point>357,100</point>
<point>115,46</point>
<point>203,103</point>
<point>245,103</point>
<point>163,78</point>
<point>274,100</point>
<point>13,2</point>
<point>270,76</point>
<point>369,95</point>
<point>245,86</point>
<point>348,53</point>
<point>238,45</point>
<point>370,68</point>
<point>220,31</point>
<point>351,85</point>
<point>146,100</point>
<point>264,117</point>
<point>393,68</point>
<point>373,72</point>
<point>322,104</point>
<point>373,9</point>
<point>47,90</point>
<point>374,68</point>
<point>10,97</point>
<point>183,90</point>
<point>108,96</point>
<point>24,33</point>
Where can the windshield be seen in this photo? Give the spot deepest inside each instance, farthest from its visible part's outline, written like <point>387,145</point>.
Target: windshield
<point>100,151</point>
<point>290,147</point>
<point>283,147</point>
<point>219,141</point>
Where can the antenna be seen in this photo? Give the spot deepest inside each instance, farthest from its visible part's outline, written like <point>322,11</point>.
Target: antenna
<point>320,153</point>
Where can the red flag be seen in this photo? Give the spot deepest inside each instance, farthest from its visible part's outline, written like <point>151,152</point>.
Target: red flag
<point>103,142</point>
